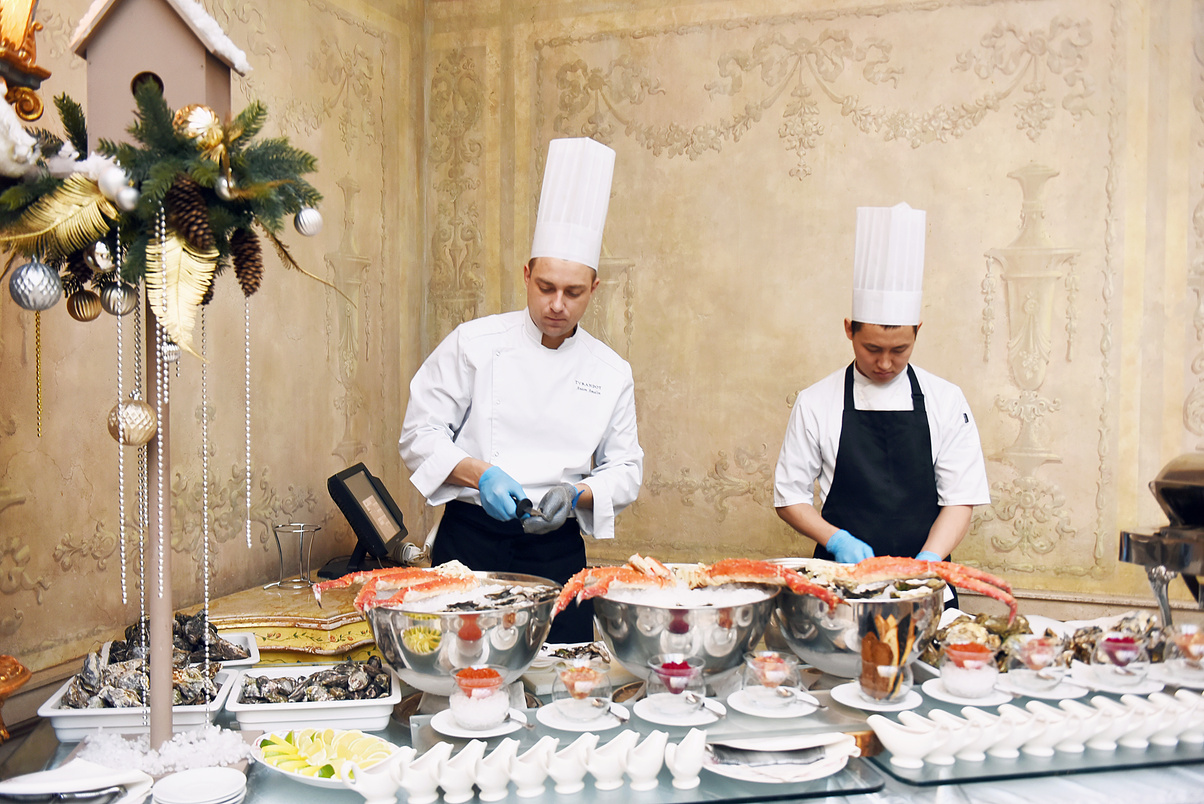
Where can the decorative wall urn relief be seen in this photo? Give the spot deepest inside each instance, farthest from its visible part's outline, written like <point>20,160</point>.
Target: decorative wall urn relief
<point>1031,269</point>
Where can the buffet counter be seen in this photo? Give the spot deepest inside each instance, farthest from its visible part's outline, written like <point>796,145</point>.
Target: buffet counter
<point>862,781</point>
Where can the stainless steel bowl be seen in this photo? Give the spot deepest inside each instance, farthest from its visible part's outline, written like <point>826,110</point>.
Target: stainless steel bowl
<point>425,648</point>
<point>719,635</point>
<point>831,641</point>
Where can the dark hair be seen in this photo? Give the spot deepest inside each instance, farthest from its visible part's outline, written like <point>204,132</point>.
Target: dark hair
<point>856,327</point>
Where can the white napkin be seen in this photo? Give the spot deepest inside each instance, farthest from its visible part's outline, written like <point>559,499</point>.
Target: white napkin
<point>77,776</point>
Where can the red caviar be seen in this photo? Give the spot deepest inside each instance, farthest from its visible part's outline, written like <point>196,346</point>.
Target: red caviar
<point>478,677</point>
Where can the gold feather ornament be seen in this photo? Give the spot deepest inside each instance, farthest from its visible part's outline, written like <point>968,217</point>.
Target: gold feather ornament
<point>71,218</point>
<point>200,123</point>
<point>177,277</point>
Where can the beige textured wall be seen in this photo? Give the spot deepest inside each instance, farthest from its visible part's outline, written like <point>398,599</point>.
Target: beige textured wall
<point>747,132</point>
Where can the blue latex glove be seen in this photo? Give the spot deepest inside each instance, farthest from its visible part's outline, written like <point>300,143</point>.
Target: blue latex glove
<point>556,506</point>
<point>499,493</point>
<point>928,555</point>
<point>847,548</point>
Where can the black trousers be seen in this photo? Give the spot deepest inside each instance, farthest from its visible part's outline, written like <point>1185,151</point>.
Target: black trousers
<point>469,535</point>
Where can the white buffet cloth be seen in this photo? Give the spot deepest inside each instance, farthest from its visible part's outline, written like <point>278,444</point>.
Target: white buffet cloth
<point>78,776</point>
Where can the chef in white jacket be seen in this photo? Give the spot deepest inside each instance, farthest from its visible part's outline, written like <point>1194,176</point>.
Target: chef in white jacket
<point>527,405</point>
<point>894,448</point>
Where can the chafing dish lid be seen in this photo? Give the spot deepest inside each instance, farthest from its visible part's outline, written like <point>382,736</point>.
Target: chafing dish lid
<point>1179,489</point>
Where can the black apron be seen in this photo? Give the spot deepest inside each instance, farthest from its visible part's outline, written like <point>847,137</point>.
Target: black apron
<point>884,484</point>
<point>474,538</point>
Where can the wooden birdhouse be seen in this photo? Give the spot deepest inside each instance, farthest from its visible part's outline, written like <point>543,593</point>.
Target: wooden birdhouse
<point>174,43</point>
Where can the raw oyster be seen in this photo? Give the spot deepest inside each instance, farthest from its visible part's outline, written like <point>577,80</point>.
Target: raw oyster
<point>349,680</point>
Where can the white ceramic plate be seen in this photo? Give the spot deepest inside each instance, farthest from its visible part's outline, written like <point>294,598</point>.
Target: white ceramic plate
<point>73,725</point>
<point>333,783</point>
<point>840,748</point>
<point>1063,691</point>
<point>850,695</point>
<point>935,688</point>
<point>1084,676</point>
<point>742,702</point>
<point>445,723</point>
<point>367,715</point>
<point>201,786</point>
<point>550,717</point>
<point>1167,675</point>
<point>648,710</point>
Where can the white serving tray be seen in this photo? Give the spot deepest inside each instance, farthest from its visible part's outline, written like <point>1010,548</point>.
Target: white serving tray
<point>246,640</point>
<point>73,725</point>
<point>367,715</point>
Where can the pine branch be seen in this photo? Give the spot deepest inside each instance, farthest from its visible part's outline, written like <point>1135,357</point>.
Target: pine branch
<point>74,123</point>
<point>49,143</point>
<point>154,127</point>
<point>246,125</point>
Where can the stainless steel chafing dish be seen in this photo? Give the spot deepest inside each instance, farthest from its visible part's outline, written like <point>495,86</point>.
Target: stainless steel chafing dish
<point>1178,548</point>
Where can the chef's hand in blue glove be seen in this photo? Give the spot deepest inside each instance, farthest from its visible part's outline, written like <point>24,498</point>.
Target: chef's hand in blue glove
<point>499,493</point>
<point>556,506</point>
<point>927,555</point>
<point>847,548</point>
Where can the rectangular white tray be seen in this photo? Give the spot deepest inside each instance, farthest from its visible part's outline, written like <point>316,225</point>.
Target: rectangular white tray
<point>246,640</point>
<point>73,725</point>
<point>367,715</point>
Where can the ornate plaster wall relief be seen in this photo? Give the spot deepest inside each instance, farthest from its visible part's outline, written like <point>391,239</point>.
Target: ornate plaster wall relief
<point>1031,269</point>
<point>454,163</point>
<point>802,72</point>
<point>14,570</point>
<point>749,474</point>
<point>1193,404</point>
<point>347,268</point>
<point>610,316</point>
<point>95,549</point>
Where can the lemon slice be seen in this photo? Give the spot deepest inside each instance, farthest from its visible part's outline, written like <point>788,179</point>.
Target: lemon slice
<point>341,744</point>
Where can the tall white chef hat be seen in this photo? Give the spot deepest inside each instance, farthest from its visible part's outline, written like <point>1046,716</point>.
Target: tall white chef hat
<point>888,265</point>
<point>573,201</point>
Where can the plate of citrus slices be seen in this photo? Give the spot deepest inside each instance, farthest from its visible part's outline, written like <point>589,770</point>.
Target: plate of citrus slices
<point>315,756</point>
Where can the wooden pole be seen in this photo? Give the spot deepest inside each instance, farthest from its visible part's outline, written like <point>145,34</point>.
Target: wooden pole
<point>157,573</point>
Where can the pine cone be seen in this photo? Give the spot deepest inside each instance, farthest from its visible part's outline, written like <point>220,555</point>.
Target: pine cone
<point>247,259</point>
<point>78,267</point>
<point>188,214</point>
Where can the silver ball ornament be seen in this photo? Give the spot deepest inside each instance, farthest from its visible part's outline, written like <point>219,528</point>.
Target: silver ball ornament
<point>35,286</point>
<point>111,180</point>
<point>223,187</point>
<point>132,423</point>
<point>171,352</point>
<point>118,299</point>
<point>98,258</point>
<point>308,221</point>
<point>127,198</point>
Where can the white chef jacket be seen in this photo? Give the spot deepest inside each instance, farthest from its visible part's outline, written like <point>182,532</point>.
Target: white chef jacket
<point>813,437</point>
<point>492,391</point>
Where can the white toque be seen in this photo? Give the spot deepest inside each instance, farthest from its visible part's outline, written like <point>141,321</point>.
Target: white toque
<point>888,265</point>
<point>573,201</point>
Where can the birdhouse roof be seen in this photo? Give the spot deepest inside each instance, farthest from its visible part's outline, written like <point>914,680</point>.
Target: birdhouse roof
<point>191,12</point>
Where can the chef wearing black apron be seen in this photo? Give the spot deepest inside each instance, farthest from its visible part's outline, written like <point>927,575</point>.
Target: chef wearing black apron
<point>894,448</point>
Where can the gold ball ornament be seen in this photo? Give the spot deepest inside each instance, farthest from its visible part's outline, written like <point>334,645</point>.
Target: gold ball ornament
<point>118,299</point>
<point>84,305</point>
<point>308,221</point>
<point>35,286</point>
<point>98,257</point>
<point>198,122</point>
<point>132,423</point>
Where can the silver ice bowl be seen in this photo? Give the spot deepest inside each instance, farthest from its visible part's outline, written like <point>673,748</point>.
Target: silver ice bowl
<point>426,647</point>
<point>719,634</point>
<point>831,640</point>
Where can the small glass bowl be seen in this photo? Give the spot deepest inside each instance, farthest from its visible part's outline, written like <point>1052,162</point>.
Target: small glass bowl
<point>771,679</point>
<point>1121,659</point>
<point>885,682</point>
<point>580,691</point>
<point>1184,653</point>
<point>481,699</point>
<point>968,670</point>
<point>1035,662</point>
<point>676,684</point>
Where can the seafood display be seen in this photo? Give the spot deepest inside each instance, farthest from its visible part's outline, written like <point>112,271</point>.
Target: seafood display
<point>449,587</point>
<point>188,642</point>
<point>641,572</point>
<point>101,685</point>
<point>348,681</point>
<point>989,630</point>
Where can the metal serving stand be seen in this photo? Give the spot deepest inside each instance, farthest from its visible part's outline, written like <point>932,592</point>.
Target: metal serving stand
<point>1178,548</point>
